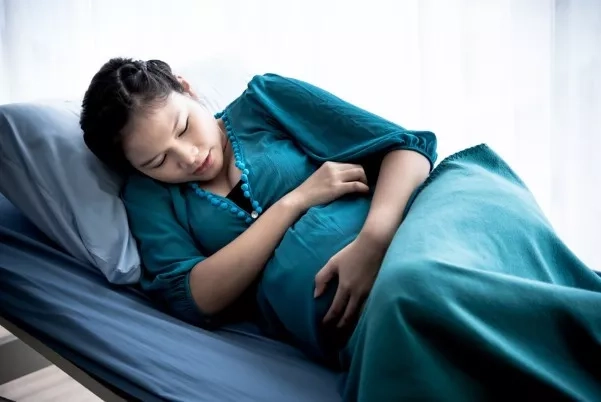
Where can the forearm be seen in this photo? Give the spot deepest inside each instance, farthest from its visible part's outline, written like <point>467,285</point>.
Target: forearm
<point>400,174</point>
<point>220,279</point>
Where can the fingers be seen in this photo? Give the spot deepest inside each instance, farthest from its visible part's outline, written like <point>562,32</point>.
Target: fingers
<point>341,166</point>
<point>322,278</point>
<point>347,177</point>
<point>354,187</point>
<point>352,169</point>
<point>338,305</point>
<point>351,311</point>
<point>353,174</point>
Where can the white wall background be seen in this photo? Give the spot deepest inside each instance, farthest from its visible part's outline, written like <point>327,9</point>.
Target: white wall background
<point>521,75</point>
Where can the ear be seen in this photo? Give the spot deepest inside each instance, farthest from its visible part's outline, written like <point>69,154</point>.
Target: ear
<point>187,87</point>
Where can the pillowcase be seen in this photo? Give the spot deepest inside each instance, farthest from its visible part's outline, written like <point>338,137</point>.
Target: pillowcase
<point>47,172</point>
<point>58,184</point>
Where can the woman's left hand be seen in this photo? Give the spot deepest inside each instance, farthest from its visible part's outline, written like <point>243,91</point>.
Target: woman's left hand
<point>356,266</point>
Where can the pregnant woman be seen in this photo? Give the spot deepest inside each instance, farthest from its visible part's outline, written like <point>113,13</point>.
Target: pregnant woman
<point>329,221</point>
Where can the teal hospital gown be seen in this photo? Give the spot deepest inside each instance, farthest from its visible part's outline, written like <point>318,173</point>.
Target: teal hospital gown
<point>477,297</point>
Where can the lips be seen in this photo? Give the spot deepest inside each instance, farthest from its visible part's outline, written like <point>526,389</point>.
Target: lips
<point>204,165</point>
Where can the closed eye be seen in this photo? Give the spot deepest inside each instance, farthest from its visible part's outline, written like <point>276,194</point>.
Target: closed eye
<point>179,135</point>
<point>160,164</point>
<point>185,128</point>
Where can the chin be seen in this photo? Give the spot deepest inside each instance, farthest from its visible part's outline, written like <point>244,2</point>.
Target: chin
<point>208,176</point>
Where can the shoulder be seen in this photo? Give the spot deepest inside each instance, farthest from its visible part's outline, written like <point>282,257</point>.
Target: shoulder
<point>271,81</point>
<point>275,92</point>
<point>285,91</point>
<point>266,79</point>
<point>261,90</point>
<point>270,95</point>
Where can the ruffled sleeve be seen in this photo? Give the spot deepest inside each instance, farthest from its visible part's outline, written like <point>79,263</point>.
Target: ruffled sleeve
<point>329,128</point>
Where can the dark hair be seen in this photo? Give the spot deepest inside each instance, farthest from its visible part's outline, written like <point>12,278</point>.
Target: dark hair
<point>122,87</point>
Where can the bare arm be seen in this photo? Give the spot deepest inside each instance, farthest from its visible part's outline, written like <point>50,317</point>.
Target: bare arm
<point>401,173</point>
<point>217,281</point>
<point>220,279</point>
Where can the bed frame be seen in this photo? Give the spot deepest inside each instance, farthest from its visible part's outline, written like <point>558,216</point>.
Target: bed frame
<point>98,387</point>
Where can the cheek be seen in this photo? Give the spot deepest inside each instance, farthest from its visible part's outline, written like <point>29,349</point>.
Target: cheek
<point>208,132</point>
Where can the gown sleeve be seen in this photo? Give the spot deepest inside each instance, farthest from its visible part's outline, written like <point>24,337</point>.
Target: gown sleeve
<point>329,128</point>
<point>167,250</point>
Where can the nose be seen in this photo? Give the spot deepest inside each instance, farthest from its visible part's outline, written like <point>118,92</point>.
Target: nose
<point>187,155</point>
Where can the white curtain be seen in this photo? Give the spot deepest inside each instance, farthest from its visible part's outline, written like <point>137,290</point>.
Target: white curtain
<point>523,76</point>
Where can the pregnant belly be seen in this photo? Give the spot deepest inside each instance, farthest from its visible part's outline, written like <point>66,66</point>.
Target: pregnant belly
<point>285,291</point>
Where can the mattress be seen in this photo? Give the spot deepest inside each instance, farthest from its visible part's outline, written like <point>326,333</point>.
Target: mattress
<point>118,336</point>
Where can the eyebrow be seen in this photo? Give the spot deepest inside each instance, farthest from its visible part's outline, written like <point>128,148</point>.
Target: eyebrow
<point>177,117</point>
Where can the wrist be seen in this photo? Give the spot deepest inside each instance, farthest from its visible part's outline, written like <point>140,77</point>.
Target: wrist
<point>375,238</point>
<point>293,202</point>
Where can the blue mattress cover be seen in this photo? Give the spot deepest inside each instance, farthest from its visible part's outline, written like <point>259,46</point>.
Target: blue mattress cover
<point>117,335</point>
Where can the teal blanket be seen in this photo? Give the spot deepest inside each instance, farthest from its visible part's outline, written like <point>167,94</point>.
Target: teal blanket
<point>477,299</point>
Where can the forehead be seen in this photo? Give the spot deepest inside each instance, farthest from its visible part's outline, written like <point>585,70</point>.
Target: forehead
<point>147,130</point>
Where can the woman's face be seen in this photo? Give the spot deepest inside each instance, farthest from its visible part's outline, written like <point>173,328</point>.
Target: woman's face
<point>177,141</point>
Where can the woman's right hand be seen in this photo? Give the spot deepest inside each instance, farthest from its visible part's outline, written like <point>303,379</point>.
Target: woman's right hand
<point>331,181</point>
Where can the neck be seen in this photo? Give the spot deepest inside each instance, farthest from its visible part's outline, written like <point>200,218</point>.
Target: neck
<point>228,157</point>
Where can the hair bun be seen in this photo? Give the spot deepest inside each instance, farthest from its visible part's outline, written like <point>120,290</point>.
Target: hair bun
<point>130,69</point>
<point>158,65</point>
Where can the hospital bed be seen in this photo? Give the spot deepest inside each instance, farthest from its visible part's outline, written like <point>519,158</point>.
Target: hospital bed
<point>113,341</point>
